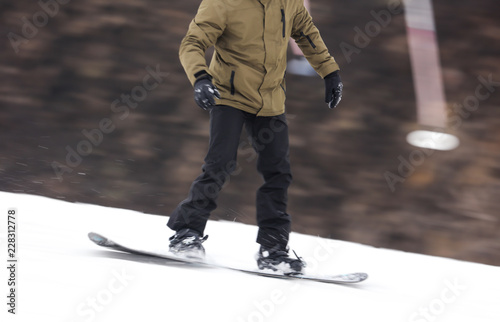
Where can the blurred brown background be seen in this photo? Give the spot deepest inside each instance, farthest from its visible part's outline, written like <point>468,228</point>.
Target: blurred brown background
<point>64,79</point>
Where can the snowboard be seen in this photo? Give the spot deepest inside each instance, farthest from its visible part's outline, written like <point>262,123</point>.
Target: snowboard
<point>103,241</point>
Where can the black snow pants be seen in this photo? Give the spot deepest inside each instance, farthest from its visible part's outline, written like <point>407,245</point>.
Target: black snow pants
<point>269,137</point>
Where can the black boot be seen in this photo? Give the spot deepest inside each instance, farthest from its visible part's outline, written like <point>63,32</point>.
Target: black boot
<point>187,243</point>
<point>279,261</point>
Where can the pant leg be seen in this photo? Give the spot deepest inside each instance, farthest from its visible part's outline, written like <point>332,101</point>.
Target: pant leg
<point>225,129</point>
<point>270,140</point>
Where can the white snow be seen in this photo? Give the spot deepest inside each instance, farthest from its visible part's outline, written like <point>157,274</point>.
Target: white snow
<point>62,276</point>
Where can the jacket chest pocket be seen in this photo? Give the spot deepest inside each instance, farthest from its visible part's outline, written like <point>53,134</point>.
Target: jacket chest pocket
<point>277,22</point>
<point>283,22</point>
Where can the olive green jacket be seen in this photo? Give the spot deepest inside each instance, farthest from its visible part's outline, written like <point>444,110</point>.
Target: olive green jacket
<point>250,39</point>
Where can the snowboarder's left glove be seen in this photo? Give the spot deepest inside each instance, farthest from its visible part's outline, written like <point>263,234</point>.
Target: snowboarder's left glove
<point>333,87</point>
<point>205,91</point>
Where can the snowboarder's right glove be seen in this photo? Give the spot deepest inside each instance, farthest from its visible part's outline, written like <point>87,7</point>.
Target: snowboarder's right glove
<point>205,91</point>
<point>333,87</point>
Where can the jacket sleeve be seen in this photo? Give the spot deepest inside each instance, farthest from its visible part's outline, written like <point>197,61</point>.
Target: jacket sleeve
<point>204,30</point>
<point>309,40</point>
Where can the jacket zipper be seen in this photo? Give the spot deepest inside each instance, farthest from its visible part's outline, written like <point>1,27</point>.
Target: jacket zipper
<point>281,84</point>
<point>231,81</point>
<point>308,39</point>
<point>283,21</point>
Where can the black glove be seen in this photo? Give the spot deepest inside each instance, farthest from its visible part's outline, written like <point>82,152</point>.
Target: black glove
<point>204,92</point>
<point>333,87</point>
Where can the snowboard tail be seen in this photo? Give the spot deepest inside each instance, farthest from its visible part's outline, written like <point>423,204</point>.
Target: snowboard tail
<point>103,241</point>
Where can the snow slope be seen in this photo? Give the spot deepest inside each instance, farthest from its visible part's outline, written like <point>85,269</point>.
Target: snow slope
<point>62,276</point>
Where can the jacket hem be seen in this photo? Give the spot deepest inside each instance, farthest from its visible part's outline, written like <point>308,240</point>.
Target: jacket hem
<point>248,109</point>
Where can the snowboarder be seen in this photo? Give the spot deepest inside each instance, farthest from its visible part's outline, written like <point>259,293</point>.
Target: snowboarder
<point>245,86</point>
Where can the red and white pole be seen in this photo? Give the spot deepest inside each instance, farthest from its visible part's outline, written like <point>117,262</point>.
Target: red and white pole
<point>427,77</point>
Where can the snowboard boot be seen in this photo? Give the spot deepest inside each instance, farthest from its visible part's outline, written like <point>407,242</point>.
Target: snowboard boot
<point>278,260</point>
<point>188,243</point>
